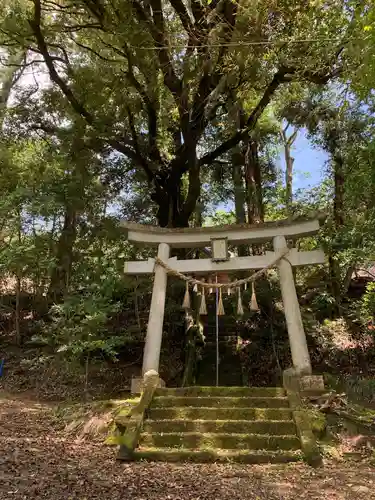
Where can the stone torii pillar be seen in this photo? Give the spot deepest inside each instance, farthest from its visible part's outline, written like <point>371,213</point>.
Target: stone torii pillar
<point>297,337</point>
<point>154,334</point>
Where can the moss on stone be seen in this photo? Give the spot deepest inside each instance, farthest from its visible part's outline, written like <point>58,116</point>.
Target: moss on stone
<point>209,424</point>
<point>202,456</point>
<point>220,440</point>
<point>197,413</point>
<point>318,422</point>
<point>129,423</point>
<point>223,401</point>
<point>280,427</point>
<point>222,391</point>
<point>309,445</point>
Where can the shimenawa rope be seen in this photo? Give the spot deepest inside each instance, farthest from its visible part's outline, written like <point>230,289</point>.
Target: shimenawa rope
<point>233,284</point>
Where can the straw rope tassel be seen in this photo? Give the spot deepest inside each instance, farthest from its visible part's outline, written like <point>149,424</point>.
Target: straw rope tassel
<point>186,303</point>
<point>203,308</point>
<point>253,302</point>
<point>220,308</point>
<point>239,303</point>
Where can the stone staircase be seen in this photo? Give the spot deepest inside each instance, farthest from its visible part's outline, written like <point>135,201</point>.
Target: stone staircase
<point>213,424</point>
<point>230,373</point>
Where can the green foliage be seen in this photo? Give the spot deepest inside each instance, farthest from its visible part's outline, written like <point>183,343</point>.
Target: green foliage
<point>324,301</point>
<point>79,327</point>
<point>368,303</point>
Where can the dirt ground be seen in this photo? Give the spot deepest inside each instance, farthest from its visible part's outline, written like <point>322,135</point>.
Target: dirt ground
<point>38,460</point>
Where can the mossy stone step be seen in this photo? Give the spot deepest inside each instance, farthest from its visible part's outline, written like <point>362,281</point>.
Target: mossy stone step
<point>222,336</point>
<point>197,440</point>
<point>280,427</point>
<point>221,401</point>
<point>212,413</point>
<point>222,343</point>
<point>217,455</point>
<point>222,391</point>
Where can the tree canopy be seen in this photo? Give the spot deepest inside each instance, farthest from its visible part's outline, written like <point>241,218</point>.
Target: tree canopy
<point>153,80</point>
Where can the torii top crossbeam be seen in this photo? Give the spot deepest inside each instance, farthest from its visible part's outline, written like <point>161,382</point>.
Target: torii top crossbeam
<point>236,233</point>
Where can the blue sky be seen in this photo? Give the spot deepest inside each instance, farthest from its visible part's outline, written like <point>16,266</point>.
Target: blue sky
<point>309,164</point>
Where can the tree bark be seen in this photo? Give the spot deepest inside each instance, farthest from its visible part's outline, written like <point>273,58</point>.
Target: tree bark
<point>18,281</point>
<point>253,178</point>
<point>239,194</point>
<point>338,202</point>
<point>254,193</point>
<point>198,215</point>
<point>338,217</point>
<point>64,256</point>
<point>238,187</point>
<point>289,162</point>
<point>10,78</point>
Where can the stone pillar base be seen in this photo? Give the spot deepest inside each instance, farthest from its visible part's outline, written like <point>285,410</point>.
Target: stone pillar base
<point>302,383</point>
<point>310,385</point>
<point>137,385</point>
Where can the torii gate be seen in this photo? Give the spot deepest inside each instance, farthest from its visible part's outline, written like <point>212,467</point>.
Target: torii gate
<point>218,237</point>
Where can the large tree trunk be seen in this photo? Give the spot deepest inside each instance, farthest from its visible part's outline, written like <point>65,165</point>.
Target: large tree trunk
<point>254,193</point>
<point>64,256</point>
<point>175,207</point>
<point>75,203</point>
<point>289,162</point>
<point>338,202</point>
<point>198,215</point>
<point>253,178</point>
<point>288,179</point>
<point>239,194</point>
<point>9,78</point>
<point>238,187</point>
<point>338,217</point>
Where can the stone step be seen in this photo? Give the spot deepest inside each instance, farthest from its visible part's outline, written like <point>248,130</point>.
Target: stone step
<point>216,455</point>
<point>220,401</point>
<point>278,427</point>
<point>221,413</point>
<point>211,330</point>
<point>222,333</point>
<point>222,391</point>
<point>198,440</point>
<point>222,338</point>
<point>222,343</point>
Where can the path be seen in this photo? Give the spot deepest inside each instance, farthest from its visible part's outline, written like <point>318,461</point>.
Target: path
<point>39,462</point>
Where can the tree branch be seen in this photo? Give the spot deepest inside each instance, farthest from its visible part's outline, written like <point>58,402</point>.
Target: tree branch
<point>194,191</point>
<point>150,109</point>
<point>96,9</point>
<point>198,11</point>
<point>93,51</point>
<point>285,74</point>
<point>156,30</point>
<point>35,25</point>
<point>250,122</point>
<point>182,13</point>
<point>211,79</point>
<point>140,158</point>
<point>120,146</point>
